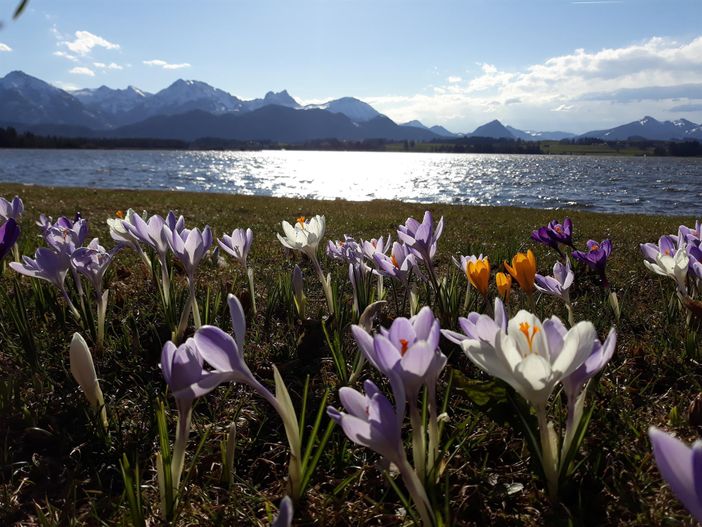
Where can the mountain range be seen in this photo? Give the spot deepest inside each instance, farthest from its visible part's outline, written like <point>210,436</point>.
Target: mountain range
<point>190,110</point>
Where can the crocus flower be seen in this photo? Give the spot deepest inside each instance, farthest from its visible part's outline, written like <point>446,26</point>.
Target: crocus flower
<point>83,371</point>
<point>421,238</point>
<point>667,245</point>
<point>149,232</point>
<point>558,284</point>
<point>347,250</point>
<point>182,368</point>
<point>370,421</point>
<point>479,327</point>
<point>9,233</point>
<point>681,466</point>
<point>11,210</point>
<point>398,264</point>
<point>226,355</point>
<point>675,267</point>
<point>237,245</point>
<point>562,233</point>
<point>298,291</point>
<point>304,236</point>
<point>531,356</point>
<point>65,235</point>
<point>373,246</point>
<point>408,354</point>
<point>596,257</point>
<point>523,270</point>
<point>690,234</point>
<point>477,272</point>
<point>543,236</point>
<point>504,285</point>
<point>50,266</point>
<point>189,246</point>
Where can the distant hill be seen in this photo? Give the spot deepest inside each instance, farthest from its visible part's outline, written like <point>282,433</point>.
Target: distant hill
<point>494,129</point>
<point>650,128</point>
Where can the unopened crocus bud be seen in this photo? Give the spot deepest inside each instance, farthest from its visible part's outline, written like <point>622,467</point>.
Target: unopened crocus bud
<point>414,300</point>
<point>298,293</point>
<point>614,303</point>
<point>83,371</point>
<point>504,285</point>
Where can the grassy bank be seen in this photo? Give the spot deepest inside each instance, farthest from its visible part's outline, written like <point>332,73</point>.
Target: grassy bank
<point>58,469</point>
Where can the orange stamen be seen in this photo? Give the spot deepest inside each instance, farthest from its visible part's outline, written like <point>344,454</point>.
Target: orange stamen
<point>119,214</point>
<point>394,262</point>
<point>301,221</point>
<point>404,344</point>
<point>524,328</point>
<point>594,248</point>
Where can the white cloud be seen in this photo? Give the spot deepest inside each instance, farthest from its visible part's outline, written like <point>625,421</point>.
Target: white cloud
<point>85,41</point>
<point>4,47</point>
<point>64,55</point>
<point>453,79</point>
<point>165,65</point>
<point>582,89</point>
<point>110,66</point>
<point>81,70</point>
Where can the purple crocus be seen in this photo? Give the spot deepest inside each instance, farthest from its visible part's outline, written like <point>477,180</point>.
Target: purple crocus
<point>667,245</point>
<point>189,246</point>
<point>543,236</point>
<point>681,466</point>
<point>371,421</point>
<point>9,233</point>
<point>374,246</point>
<point>149,232</point>
<point>50,266</point>
<point>11,209</point>
<point>596,257</point>
<point>562,233</point>
<point>65,235</point>
<point>347,250</point>
<point>237,245</point>
<point>421,238</point>
<point>558,284</point>
<point>285,513</point>
<point>399,264</point>
<point>480,327</point>
<point>182,368</point>
<point>92,262</point>
<point>689,234</point>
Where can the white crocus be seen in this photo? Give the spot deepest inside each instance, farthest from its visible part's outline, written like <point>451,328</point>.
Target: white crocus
<point>674,267</point>
<point>533,357</point>
<point>120,234</point>
<point>83,371</point>
<point>305,237</point>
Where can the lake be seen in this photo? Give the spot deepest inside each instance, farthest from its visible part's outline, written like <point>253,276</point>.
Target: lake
<point>608,184</point>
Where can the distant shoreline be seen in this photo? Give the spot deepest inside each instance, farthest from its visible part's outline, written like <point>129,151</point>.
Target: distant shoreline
<point>10,138</point>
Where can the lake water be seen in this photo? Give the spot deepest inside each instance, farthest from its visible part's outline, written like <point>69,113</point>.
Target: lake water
<point>609,184</point>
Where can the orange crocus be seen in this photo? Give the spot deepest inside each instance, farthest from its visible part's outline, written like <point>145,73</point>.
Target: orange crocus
<point>523,270</point>
<point>478,273</point>
<point>504,285</point>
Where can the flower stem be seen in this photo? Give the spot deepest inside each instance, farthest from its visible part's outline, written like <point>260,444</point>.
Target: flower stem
<point>182,433</point>
<point>250,274</point>
<point>549,453</point>
<point>325,285</point>
<point>417,492</point>
<point>418,440</point>
<point>101,315</point>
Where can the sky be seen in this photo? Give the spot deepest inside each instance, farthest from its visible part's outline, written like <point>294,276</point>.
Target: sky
<point>572,65</point>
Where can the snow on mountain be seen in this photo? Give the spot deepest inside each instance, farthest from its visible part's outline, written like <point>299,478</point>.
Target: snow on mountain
<point>281,98</point>
<point>111,101</point>
<point>355,109</point>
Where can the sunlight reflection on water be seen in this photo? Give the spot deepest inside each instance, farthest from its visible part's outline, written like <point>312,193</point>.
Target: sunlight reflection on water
<point>646,185</point>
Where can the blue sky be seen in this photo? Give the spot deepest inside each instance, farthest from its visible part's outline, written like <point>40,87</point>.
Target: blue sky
<point>539,64</point>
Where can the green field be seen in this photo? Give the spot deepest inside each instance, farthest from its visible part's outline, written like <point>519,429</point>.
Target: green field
<point>58,468</point>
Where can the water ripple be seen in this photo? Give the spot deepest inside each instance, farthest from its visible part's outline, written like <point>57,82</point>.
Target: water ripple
<point>608,184</point>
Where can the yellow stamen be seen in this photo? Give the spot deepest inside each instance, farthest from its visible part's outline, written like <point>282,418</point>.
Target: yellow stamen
<point>524,328</point>
<point>119,214</point>
<point>301,220</point>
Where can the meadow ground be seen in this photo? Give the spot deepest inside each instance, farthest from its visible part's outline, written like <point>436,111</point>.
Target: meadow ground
<point>56,468</point>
